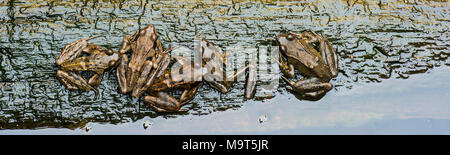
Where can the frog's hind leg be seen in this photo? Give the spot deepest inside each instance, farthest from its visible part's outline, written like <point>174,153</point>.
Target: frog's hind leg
<point>314,95</point>
<point>163,102</point>
<point>214,75</point>
<point>75,82</point>
<point>229,80</point>
<point>250,83</point>
<point>122,78</point>
<point>150,74</point>
<point>310,87</point>
<point>311,96</point>
<point>224,84</point>
<point>189,94</point>
<point>328,54</point>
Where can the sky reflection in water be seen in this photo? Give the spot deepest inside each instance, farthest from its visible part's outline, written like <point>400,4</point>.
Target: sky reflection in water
<point>418,105</point>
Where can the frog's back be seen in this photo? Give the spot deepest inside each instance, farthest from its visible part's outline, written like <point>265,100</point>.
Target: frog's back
<point>307,60</point>
<point>88,63</point>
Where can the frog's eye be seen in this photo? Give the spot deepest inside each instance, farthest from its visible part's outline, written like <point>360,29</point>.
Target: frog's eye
<point>282,48</point>
<point>109,52</point>
<point>112,63</point>
<point>290,37</point>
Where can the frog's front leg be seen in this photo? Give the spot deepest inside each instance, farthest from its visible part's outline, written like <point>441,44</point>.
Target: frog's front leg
<point>286,68</point>
<point>95,80</point>
<point>75,82</point>
<point>311,87</point>
<point>126,43</point>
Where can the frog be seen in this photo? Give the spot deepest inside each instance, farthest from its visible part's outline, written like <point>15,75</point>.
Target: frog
<point>147,60</point>
<point>208,68</point>
<point>157,96</point>
<point>213,63</point>
<point>80,56</point>
<point>313,56</point>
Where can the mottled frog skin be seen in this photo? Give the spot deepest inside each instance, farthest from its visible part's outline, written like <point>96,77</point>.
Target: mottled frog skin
<point>214,62</point>
<point>147,60</point>
<point>297,52</point>
<point>72,60</point>
<point>188,81</point>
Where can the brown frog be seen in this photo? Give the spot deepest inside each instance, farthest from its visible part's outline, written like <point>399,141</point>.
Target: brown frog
<point>214,62</point>
<point>194,73</point>
<point>147,60</point>
<point>297,51</point>
<point>173,79</point>
<point>72,60</point>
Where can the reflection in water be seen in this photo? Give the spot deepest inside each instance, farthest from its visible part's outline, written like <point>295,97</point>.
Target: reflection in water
<point>375,40</point>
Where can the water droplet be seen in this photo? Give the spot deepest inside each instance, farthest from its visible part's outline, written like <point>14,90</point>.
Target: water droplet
<point>88,128</point>
<point>262,118</point>
<point>146,124</point>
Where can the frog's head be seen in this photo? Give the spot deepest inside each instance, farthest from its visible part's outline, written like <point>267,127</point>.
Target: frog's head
<point>149,32</point>
<point>283,40</point>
